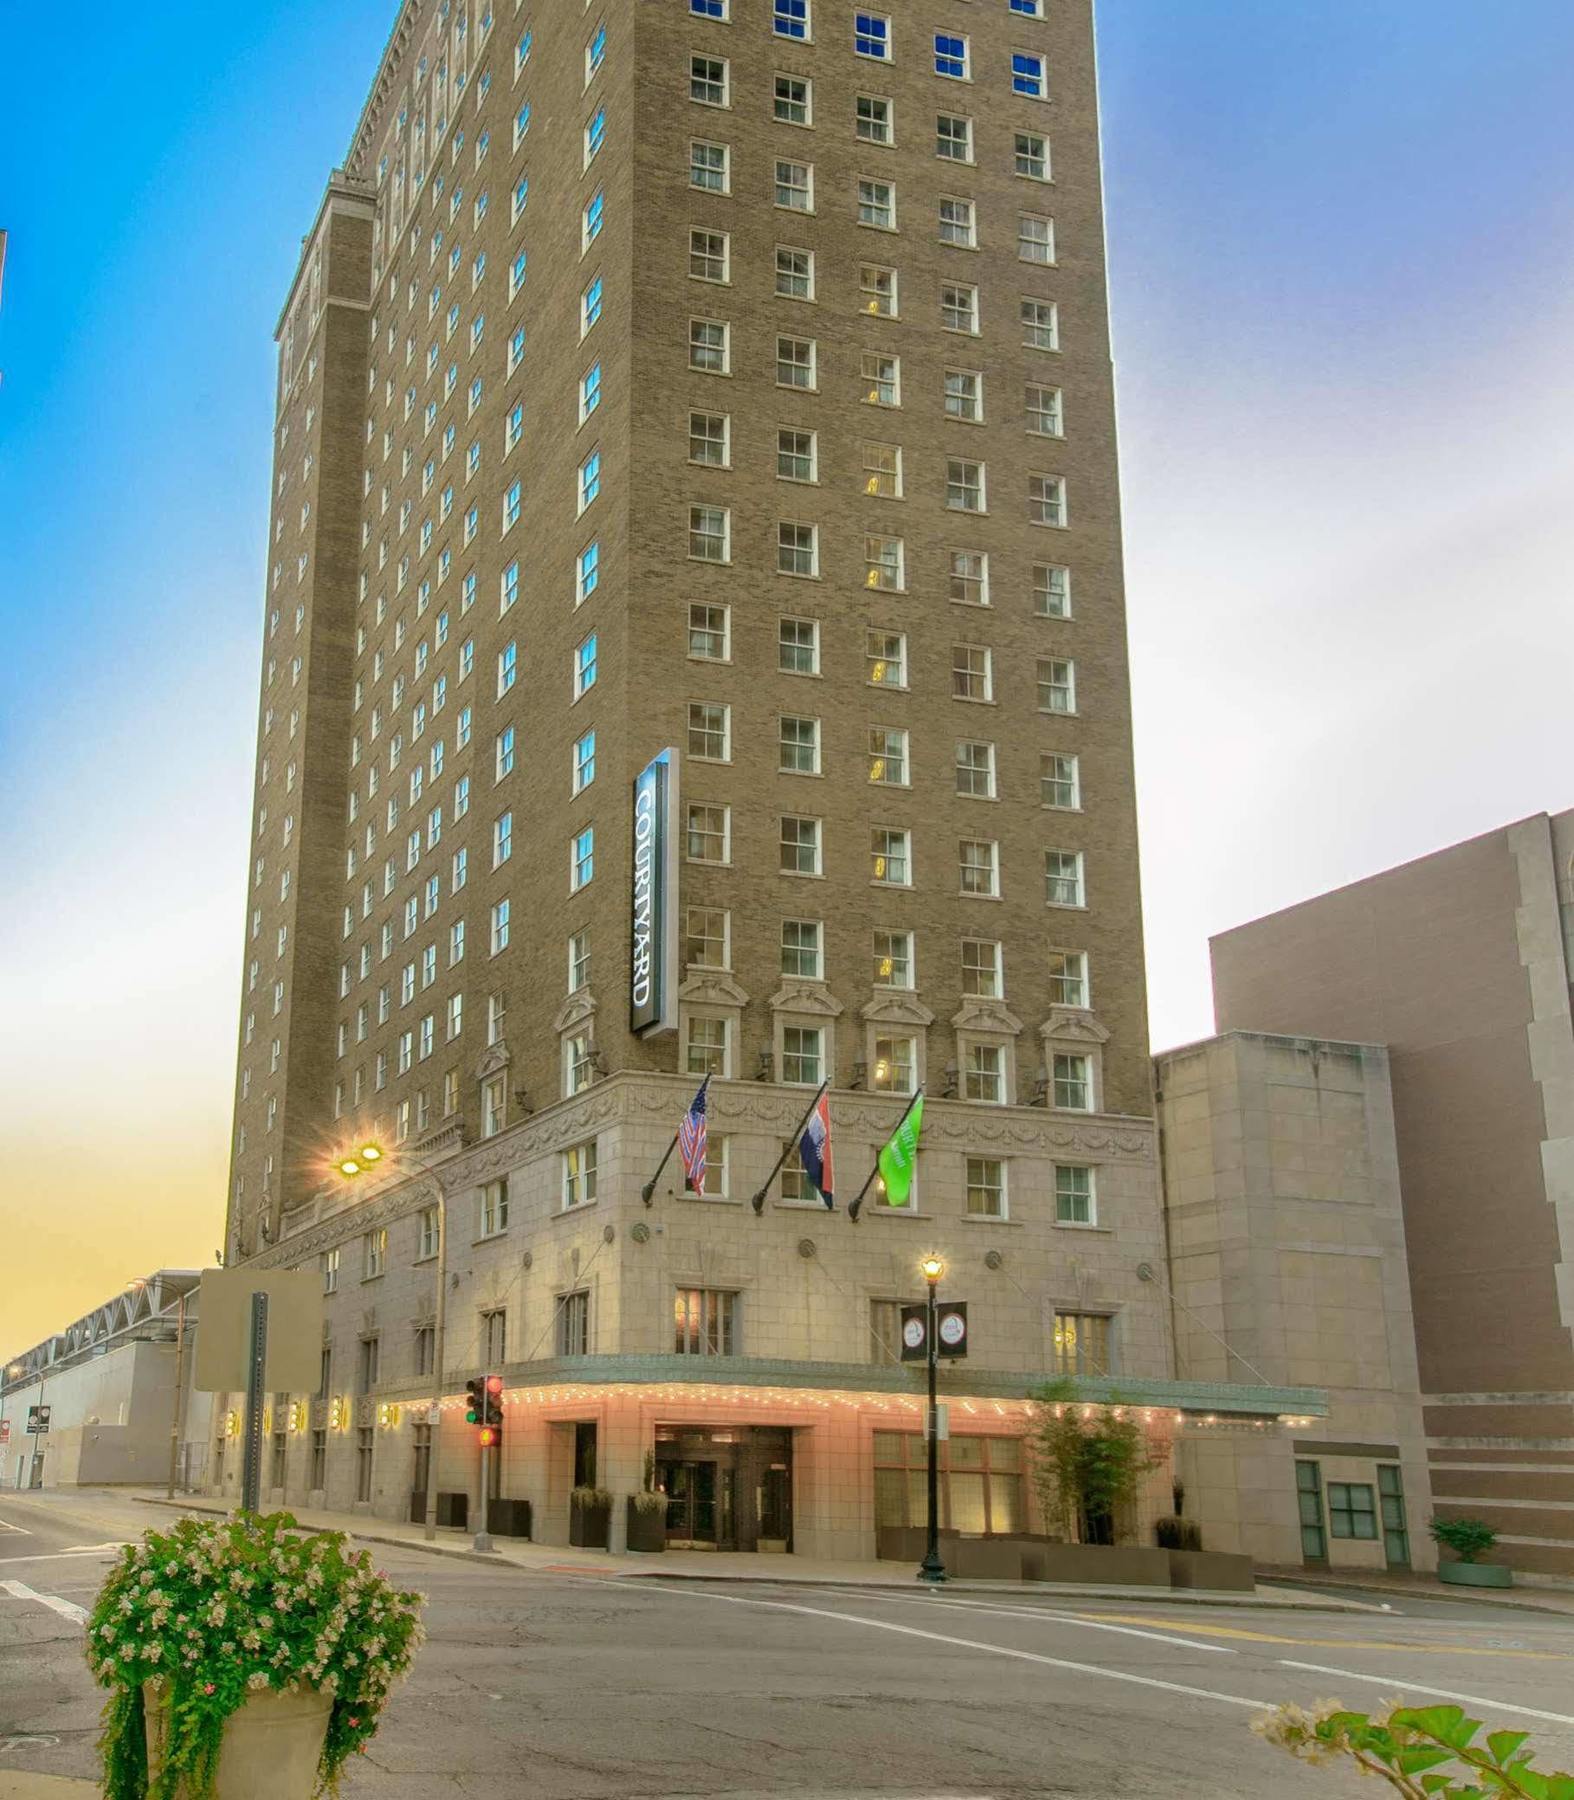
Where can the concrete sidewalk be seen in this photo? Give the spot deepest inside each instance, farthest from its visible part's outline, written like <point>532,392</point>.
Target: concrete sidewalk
<point>1547,1598</point>
<point>744,1566</point>
<point>17,1784</point>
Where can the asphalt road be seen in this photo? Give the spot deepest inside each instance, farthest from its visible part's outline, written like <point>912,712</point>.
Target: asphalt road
<point>573,1685</point>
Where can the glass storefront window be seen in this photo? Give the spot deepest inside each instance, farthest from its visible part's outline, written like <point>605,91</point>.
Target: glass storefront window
<point>980,1482</point>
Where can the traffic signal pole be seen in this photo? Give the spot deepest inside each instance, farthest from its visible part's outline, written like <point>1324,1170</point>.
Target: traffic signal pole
<point>483,1538</point>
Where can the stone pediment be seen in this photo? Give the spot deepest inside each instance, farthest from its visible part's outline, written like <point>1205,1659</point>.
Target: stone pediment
<point>810,997</point>
<point>574,1011</point>
<point>992,1017</point>
<point>896,1008</point>
<point>494,1059</point>
<point>1070,1025</point>
<point>712,987</point>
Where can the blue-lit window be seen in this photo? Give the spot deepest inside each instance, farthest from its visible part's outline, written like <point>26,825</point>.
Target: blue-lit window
<point>516,348</point>
<point>709,9</point>
<point>513,426</point>
<point>951,56</point>
<point>1030,9</point>
<point>510,586</point>
<point>589,479</point>
<point>521,196</point>
<point>790,18</point>
<point>872,35</point>
<point>1027,75</point>
<point>511,506</point>
<point>516,275</point>
<point>584,762</point>
<point>522,49</point>
<point>596,51</point>
<point>521,124</point>
<point>582,866</point>
<point>590,228</point>
<point>595,132</point>
<point>590,306</point>
<point>589,570</point>
<point>589,391</point>
<point>585,667</point>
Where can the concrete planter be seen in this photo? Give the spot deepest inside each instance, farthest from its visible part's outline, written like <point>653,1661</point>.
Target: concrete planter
<point>1485,1575</point>
<point>647,1531</point>
<point>272,1744</point>
<point>589,1525</point>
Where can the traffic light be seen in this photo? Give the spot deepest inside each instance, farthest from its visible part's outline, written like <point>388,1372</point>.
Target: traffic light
<point>475,1404</point>
<point>493,1401</point>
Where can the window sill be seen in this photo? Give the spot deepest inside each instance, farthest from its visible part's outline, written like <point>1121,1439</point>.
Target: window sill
<point>1073,1225</point>
<point>990,1219</point>
<point>490,1237</point>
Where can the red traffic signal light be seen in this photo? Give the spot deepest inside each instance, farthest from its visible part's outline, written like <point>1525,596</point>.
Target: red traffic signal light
<point>492,1402</point>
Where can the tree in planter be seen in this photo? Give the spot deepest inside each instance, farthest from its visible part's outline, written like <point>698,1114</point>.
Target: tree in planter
<point>1469,1539</point>
<point>1088,1469</point>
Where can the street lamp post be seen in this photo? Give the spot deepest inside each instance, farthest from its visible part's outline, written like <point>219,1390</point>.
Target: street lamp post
<point>351,1166</point>
<point>179,1408</point>
<point>932,1569</point>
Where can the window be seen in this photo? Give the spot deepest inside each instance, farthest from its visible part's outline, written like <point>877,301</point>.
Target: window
<point>590,306</point>
<point>1051,591</point>
<point>1027,75</point>
<point>1080,1344</point>
<point>873,119</point>
<point>595,134</point>
<point>986,1187</point>
<point>710,437</point>
<point>798,746</point>
<point>885,655</point>
<point>798,646</point>
<point>953,138</point>
<point>494,1338</point>
<point>1035,238</point>
<point>710,166</point>
<point>1076,1202</point>
<point>1040,324</point>
<point>1057,685</point>
<point>872,35</point>
<point>582,859</point>
<point>579,1063</point>
<point>708,80</point>
<point>799,846</point>
<point>328,1267</point>
<point>367,1364</point>
<point>1046,500</point>
<point>502,839</point>
<point>978,861</point>
<point>796,455</point>
<point>1068,978</point>
<point>503,753</point>
<point>882,379</point>
<point>797,548</point>
<point>795,361</point>
<point>1031,9</point>
<point>951,56</point>
<point>877,204</point>
<point>883,563</point>
<point>981,968</point>
<point>426,1237</point>
<point>493,1104</point>
<point>709,9</point>
<point>958,304</point>
<point>592,219</point>
<point>493,1216</point>
<point>500,920</point>
<point>1352,1512</point>
<point>709,731</point>
<point>802,953</point>
<point>964,485</point>
<point>579,1175</point>
<point>793,100</point>
<point>1044,411</point>
<point>895,1059</point>
<point>893,959</point>
<point>878,288</point>
<point>964,395</point>
<point>882,467</point>
<point>891,857</point>
<point>705,1322</point>
<point>794,273</point>
<point>1073,1084</point>
<point>802,1055</point>
<point>983,1074</point>
<point>972,672</point>
<point>589,479</point>
<point>1032,155</point>
<point>578,961</point>
<point>706,1052</point>
<point>365,1438</point>
<point>584,762</point>
<point>573,1324</point>
<point>709,253</point>
<point>585,667</point>
<point>707,834</point>
<point>710,346</point>
<point>1063,877</point>
<point>790,18</point>
<point>705,935</point>
<point>708,632</point>
<point>587,576</point>
<point>975,769</point>
<point>795,185</point>
<point>968,577</point>
<point>980,1485</point>
<point>1059,782</point>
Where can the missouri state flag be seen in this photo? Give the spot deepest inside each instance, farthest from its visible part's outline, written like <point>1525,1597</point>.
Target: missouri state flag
<point>814,1149</point>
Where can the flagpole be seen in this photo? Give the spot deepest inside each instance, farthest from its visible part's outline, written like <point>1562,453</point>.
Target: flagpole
<point>858,1199</point>
<point>649,1188</point>
<point>759,1198</point>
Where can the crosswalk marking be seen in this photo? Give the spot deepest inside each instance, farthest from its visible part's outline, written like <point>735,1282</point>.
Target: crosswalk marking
<point>68,1609</point>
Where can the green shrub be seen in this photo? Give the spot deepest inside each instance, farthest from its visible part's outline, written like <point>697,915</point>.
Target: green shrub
<point>1088,1462</point>
<point>1177,1534</point>
<point>216,1609</point>
<point>1467,1538</point>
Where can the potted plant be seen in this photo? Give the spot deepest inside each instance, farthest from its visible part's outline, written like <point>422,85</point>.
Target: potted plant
<point>647,1512</point>
<point>1469,1539</point>
<point>589,1517</point>
<point>243,1656</point>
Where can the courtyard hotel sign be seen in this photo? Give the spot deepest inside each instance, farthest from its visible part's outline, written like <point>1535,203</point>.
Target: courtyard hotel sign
<point>653,960</point>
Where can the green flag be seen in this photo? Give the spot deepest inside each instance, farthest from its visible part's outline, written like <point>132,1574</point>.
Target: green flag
<point>899,1158</point>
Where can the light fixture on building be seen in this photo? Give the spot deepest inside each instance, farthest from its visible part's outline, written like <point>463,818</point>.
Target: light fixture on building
<point>523,1101</point>
<point>860,1073</point>
<point>1041,1087</point>
<point>765,1066</point>
<point>948,1092</point>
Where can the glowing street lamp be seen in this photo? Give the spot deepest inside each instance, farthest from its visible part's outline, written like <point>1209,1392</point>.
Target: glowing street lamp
<point>931,1568</point>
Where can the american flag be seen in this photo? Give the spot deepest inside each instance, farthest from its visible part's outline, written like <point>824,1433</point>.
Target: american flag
<point>692,1137</point>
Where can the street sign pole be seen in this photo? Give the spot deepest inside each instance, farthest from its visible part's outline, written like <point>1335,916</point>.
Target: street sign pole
<point>256,1364</point>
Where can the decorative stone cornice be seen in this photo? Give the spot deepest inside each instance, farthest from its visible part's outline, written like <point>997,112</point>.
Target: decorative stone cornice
<point>988,1018</point>
<point>574,1011</point>
<point>811,997</point>
<point>712,987</point>
<point>1070,1025</point>
<point>893,1007</point>
<point>493,1060</point>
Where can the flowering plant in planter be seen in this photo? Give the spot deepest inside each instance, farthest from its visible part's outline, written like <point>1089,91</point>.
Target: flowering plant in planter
<point>215,1610</point>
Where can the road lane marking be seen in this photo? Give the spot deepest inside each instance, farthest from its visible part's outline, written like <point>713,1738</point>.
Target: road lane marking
<point>68,1609</point>
<point>1268,1637</point>
<point>937,1637</point>
<point>1394,1685</point>
<point>56,1555</point>
<point>6,1525</point>
<point>1044,1612</point>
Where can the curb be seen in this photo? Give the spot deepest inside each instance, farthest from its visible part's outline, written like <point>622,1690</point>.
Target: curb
<point>1443,1593</point>
<point>997,1590</point>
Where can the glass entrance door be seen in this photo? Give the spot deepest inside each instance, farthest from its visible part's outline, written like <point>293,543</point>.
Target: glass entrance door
<point>699,1502</point>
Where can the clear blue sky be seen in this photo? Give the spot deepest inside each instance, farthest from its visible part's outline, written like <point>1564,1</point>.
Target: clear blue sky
<point>1341,283</point>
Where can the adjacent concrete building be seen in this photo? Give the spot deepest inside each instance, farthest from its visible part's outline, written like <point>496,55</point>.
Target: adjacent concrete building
<point>1459,964</point>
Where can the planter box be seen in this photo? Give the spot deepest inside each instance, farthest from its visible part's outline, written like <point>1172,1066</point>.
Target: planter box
<point>272,1744</point>
<point>983,1558</point>
<point>1487,1575</point>
<point>647,1531</point>
<point>588,1526</point>
<point>453,1509</point>
<point>1113,1565</point>
<point>1211,1569</point>
<point>508,1518</point>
